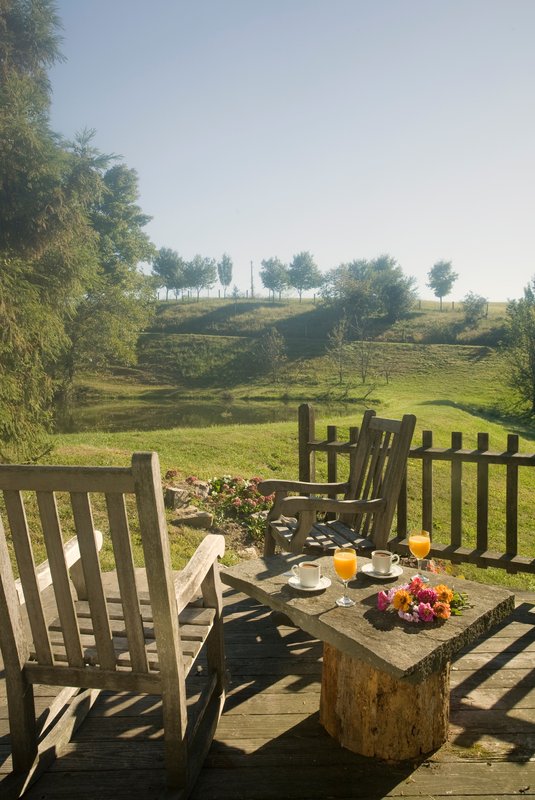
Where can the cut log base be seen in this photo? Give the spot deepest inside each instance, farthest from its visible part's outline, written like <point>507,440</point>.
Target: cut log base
<point>374,714</point>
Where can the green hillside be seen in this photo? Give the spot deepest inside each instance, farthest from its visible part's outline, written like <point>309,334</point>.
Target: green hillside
<point>201,363</point>
<point>202,398</point>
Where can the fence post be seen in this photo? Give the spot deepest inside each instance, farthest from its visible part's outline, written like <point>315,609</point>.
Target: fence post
<point>456,491</point>
<point>401,512</point>
<point>331,455</point>
<point>306,433</point>
<point>482,517</point>
<point>427,483</point>
<point>511,499</point>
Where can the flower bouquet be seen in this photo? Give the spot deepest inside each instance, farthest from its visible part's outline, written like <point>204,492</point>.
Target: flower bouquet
<point>417,602</point>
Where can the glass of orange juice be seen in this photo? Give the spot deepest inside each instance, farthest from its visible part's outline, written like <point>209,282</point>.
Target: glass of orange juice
<point>419,545</point>
<point>345,565</point>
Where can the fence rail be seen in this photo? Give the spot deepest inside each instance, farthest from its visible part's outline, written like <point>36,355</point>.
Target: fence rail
<point>461,547</point>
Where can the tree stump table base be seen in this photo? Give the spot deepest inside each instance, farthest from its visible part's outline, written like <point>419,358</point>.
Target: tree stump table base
<point>374,714</point>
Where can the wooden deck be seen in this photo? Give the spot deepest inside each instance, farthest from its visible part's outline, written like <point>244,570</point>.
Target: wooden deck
<point>270,745</point>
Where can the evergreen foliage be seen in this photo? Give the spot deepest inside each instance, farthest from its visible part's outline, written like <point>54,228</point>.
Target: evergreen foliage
<point>70,240</point>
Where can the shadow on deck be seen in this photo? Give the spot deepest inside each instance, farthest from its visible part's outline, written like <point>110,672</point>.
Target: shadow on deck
<point>270,745</point>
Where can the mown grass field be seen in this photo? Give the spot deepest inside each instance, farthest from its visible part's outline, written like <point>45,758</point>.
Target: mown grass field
<point>205,353</point>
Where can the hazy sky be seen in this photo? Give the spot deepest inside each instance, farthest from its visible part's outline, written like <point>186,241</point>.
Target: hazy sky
<point>349,128</point>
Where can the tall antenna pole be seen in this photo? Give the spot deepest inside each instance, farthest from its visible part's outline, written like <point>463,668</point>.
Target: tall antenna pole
<point>252,284</point>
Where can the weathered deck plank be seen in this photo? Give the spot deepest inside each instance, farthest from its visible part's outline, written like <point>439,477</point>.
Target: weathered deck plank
<point>270,744</point>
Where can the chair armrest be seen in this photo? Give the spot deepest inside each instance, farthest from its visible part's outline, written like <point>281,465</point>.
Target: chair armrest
<point>71,550</point>
<point>188,581</point>
<point>273,485</point>
<point>291,506</point>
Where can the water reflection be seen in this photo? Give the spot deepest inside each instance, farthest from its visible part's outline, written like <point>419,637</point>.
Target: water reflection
<point>147,415</point>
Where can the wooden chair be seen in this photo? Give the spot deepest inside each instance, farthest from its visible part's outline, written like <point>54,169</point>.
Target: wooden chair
<point>364,515</point>
<point>127,640</point>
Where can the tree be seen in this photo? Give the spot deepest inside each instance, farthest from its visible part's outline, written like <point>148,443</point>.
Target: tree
<point>118,302</point>
<point>303,274</point>
<point>441,279</point>
<point>224,272</point>
<point>47,247</point>
<point>395,291</point>
<point>168,268</point>
<point>338,347</point>
<point>520,344</point>
<point>68,237</point>
<point>474,308</point>
<point>200,273</point>
<point>274,276</point>
<point>362,289</point>
<point>271,352</point>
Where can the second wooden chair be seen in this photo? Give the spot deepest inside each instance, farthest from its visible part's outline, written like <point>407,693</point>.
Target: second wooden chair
<point>365,510</point>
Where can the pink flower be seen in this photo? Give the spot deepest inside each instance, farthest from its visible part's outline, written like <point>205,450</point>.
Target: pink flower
<point>425,612</point>
<point>409,616</point>
<point>416,584</point>
<point>383,601</point>
<point>427,596</point>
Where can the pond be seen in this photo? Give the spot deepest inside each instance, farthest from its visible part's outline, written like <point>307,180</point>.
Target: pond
<point>136,414</point>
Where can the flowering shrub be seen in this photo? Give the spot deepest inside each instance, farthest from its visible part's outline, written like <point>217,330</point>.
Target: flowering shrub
<point>239,499</point>
<point>416,602</point>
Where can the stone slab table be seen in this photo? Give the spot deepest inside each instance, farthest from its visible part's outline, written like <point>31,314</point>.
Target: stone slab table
<point>385,682</point>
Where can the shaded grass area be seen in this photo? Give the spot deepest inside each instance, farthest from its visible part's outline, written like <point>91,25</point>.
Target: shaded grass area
<point>233,386</point>
<point>313,320</point>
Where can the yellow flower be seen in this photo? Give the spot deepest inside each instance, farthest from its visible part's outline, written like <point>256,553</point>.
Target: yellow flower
<point>402,600</point>
<point>444,593</point>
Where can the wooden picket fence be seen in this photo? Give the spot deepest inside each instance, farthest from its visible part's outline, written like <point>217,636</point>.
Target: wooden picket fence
<point>464,517</point>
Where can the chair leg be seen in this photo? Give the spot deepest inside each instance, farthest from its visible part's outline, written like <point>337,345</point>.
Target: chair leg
<point>22,724</point>
<point>215,646</point>
<point>175,741</point>
<point>269,542</point>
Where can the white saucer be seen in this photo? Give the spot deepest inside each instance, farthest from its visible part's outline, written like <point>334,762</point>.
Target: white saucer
<point>324,582</point>
<point>382,576</point>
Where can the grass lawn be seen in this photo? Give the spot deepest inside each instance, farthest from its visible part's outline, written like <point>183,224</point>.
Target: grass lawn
<point>203,354</point>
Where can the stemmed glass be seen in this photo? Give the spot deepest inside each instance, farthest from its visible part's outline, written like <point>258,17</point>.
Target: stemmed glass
<point>419,545</point>
<point>345,565</point>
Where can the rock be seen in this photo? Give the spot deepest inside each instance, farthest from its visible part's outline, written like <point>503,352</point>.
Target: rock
<point>176,497</point>
<point>194,518</point>
<point>200,488</point>
<point>248,552</point>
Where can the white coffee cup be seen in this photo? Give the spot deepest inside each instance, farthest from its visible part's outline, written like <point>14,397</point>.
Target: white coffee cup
<point>308,574</point>
<point>383,561</point>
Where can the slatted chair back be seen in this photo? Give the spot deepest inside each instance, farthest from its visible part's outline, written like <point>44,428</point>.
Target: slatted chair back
<point>128,640</point>
<point>308,522</point>
<point>377,469</point>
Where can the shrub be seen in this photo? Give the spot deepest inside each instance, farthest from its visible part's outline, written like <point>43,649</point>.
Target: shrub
<point>238,499</point>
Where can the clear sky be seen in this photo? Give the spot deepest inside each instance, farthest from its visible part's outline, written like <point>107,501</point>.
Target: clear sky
<point>349,128</point>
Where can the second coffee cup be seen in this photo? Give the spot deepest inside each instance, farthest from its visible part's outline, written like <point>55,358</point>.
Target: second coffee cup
<point>383,561</point>
<point>308,574</point>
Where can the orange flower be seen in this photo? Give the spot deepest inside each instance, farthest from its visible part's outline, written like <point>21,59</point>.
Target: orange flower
<point>444,593</point>
<point>442,610</point>
<point>402,600</point>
